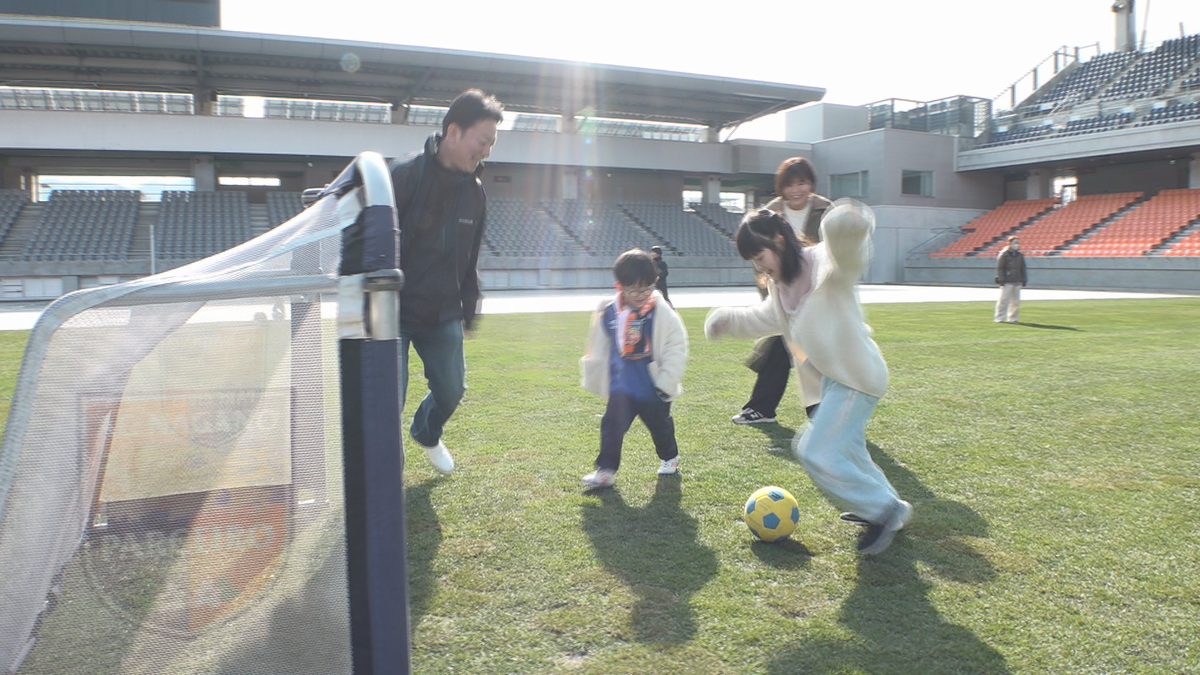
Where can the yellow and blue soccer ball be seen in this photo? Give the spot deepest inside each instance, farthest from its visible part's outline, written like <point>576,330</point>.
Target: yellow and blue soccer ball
<point>772,513</point>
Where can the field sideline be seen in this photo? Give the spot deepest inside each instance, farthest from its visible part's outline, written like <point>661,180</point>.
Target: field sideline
<point>1052,465</point>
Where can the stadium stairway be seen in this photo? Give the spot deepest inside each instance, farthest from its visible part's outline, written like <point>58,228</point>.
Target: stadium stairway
<point>139,246</point>
<point>1097,226</point>
<point>259,222</point>
<point>22,231</point>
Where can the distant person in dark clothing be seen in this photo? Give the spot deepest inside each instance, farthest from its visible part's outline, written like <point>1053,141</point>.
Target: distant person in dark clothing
<point>1010,276</point>
<point>440,208</point>
<point>803,209</point>
<point>661,266</point>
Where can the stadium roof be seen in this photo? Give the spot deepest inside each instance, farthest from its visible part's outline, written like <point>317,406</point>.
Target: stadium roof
<point>157,57</point>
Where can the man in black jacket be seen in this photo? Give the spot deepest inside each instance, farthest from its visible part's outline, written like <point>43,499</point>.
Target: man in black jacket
<point>660,266</point>
<point>1010,276</point>
<point>441,209</point>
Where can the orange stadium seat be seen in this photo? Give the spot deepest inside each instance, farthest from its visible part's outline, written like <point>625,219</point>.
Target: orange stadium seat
<point>994,224</point>
<point>1055,229</point>
<point>1146,227</point>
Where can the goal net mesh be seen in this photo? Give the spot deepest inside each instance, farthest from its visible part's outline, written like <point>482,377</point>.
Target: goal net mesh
<point>171,472</point>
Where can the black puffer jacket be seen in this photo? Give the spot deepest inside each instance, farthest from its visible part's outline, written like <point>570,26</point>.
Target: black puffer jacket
<point>441,213</point>
<point>1010,267</point>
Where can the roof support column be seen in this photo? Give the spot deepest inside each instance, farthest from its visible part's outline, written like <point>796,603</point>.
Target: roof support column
<point>570,183</point>
<point>204,101</point>
<point>1037,185</point>
<point>399,113</point>
<point>712,135</point>
<point>1194,172</point>
<point>204,172</point>
<point>710,183</point>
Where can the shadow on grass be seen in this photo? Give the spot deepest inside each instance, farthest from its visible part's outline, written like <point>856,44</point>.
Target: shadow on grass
<point>897,630</point>
<point>788,554</point>
<point>424,536</point>
<point>307,633</point>
<point>1048,326</point>
<point>781,438</point>
<point>655,552</point>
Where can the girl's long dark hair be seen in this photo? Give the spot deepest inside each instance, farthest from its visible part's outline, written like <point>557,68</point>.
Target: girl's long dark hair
<point>759,230</point>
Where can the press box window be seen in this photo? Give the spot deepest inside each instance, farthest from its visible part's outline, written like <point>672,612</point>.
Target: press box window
<point>848,185</point>
<point>916,183</point>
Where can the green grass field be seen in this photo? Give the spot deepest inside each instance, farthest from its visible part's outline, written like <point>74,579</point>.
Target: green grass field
<point>1053,466</point>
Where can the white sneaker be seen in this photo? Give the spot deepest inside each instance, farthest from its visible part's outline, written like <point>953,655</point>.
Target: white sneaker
<point>440,457</point>
<point>669,467</point>
<point>600,478</point>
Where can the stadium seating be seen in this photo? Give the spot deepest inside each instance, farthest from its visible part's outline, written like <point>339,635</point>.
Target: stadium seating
<point>11,203</point>
<point>542,123</point>
<point>1174,112</point>
<point>1094,124</point>
<point>1155,72</point>
<point>1144,228</point>
<point>684,232</point>
<point>282,207</point>
<point>994,224</point>
<point>1018,135</point>
<point>84,100</point>
<point>199,224</point>
<point>1188,242</point>
<point>601,228</point>
<point>1053,230</point>
<point>85,225</point>
<point>515,228</point>
<point>1083,82</point>
<point>723,220</point>
<point>326,111</point>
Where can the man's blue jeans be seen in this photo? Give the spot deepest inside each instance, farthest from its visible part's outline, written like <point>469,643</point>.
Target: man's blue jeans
<point>441,351</point>
<point>833,450</point>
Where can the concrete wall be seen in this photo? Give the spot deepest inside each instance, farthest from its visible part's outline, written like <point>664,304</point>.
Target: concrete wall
<point>887,153</point>
<point>764,157</point>
<point>596,273</point>
<point>1148,177</point>
<point>1138,273</point>
<point>818,121</point>
<point>900,229</point>
<point>23,281</point>
<point>95,132</point>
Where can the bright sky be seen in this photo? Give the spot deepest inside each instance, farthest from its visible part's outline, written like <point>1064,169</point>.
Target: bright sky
<point>860,51</point>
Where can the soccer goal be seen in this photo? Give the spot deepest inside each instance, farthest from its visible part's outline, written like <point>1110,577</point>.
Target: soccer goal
<point>174,470</point>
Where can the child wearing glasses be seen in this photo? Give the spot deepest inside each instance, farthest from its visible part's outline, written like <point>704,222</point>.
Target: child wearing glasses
<point>636,354</point>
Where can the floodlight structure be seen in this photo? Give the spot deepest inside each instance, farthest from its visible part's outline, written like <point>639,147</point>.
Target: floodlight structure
<point>202,469</point>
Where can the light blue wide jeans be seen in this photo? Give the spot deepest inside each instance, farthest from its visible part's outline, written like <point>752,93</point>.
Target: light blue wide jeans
<point>833,450</point>
<point>441,352</point>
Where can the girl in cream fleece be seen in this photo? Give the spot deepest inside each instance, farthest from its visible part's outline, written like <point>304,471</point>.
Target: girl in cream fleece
<point>813,303</point>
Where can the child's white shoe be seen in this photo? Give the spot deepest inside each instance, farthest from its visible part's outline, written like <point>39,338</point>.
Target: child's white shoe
<point>669,467</point>
<point>600,478</point>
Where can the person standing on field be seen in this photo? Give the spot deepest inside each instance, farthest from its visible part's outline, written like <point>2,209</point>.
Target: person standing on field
<point>1010,276</point>
<point>441,210</point>
<point>661,266</point>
